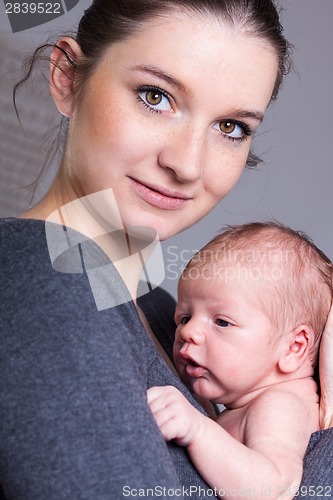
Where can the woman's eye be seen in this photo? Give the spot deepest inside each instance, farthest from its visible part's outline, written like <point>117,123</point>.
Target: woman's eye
<point>222,322</point>
<point>154,99</point>
<point>233,130</point>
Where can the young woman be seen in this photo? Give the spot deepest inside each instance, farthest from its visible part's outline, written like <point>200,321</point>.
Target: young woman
<point>162,100</point>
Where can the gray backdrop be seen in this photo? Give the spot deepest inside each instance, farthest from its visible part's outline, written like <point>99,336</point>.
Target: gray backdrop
<point>294,184</point>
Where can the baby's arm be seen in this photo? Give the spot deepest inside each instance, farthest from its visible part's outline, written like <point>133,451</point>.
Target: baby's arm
<point>269,463</point>
<point>175,416</point>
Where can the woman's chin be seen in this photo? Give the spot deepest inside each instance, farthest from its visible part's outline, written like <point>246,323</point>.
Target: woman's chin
<point>161,226</point>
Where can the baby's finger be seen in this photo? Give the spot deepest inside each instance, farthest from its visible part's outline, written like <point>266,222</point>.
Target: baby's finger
<point>154,393</point>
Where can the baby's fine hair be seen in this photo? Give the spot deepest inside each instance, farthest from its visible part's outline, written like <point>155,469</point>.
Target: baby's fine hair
<point>298,274</point>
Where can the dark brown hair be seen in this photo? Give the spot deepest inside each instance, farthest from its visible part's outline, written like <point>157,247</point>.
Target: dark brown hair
<point>108,21</point>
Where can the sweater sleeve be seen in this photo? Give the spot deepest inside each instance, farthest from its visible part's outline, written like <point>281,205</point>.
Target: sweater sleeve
<point>74,419</point>
<point>317,478</point>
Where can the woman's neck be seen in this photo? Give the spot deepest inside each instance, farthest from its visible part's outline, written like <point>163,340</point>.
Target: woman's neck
<point>97,217</point>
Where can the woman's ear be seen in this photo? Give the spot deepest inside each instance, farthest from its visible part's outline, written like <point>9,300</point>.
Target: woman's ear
<point>299,342</point>
<point>64,59</point>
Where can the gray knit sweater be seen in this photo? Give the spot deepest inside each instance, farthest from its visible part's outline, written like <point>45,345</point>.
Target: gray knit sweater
<point>74,423</point>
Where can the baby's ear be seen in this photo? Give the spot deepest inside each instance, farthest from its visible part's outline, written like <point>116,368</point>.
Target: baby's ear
<point>64,59</point>
<point>299,341</point>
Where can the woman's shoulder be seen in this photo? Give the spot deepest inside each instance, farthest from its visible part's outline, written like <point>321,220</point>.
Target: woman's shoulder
<point>18,233</point>
<point>22,241</point>
<point>18,223</point>
<point>15,224</point>
<point>41,282</point>
<point>44,244</point>
<point>28,274</point>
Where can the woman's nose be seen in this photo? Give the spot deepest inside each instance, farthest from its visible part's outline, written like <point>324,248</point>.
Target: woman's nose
<point>184,153</point>
<point>191,333</point>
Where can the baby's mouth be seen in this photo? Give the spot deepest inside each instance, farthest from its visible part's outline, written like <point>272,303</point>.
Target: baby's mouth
<point>192,368</point>
<point>191,362</point>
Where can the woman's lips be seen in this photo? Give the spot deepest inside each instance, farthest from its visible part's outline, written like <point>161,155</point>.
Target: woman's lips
<point>159,197</point>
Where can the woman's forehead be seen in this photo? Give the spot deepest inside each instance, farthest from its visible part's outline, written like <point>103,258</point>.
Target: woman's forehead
<point>197,51</point>
<point>201,33</point>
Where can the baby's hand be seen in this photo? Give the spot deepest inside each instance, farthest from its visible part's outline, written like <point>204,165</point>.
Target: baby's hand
<point>175,416</point>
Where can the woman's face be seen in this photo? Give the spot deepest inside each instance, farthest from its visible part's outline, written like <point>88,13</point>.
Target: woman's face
<point>167,119</point>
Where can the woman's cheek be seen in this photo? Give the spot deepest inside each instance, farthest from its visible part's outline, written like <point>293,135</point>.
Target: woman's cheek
<point>221,180</point>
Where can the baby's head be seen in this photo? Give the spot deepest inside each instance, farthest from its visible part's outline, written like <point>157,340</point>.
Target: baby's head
<point>290,278</point>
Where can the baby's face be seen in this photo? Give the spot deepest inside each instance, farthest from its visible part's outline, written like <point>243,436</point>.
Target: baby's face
<point>225,347</point>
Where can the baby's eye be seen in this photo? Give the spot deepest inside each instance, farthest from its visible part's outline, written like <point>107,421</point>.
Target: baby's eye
<point>155,99</point>
<point>233,130</point>
<point>222,322</point>
<point>184,320</point>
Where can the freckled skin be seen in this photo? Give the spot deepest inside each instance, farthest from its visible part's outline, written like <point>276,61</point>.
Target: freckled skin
<point>185,142</point>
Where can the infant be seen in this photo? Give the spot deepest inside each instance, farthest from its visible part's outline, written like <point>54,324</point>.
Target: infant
<point>252,305</point>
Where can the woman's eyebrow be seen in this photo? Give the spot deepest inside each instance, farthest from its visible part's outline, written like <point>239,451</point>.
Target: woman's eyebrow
<point>255,115</point>
<point>153,70</point>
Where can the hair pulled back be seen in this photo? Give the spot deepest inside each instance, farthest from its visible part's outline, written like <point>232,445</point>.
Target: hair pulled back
<point>109,21</point>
